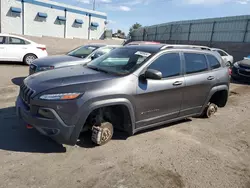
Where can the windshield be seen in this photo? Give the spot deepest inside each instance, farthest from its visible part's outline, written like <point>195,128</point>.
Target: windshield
<point>101,51</point>
<point>120,61</point>
<point>82,51</point>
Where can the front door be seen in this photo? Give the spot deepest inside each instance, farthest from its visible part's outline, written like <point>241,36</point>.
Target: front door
<point>199,82</point>
<point>160,100</point>
<point>2,48</point>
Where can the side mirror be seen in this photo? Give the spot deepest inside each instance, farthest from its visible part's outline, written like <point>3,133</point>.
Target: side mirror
<point>92,57</point>
<point>153,74</point>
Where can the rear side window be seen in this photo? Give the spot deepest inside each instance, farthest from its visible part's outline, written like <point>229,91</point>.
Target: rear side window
<point>195,63</point>
<point>213,62</point>
<point>168,64</point>
<point>13,40</point>
<point>221,53</point>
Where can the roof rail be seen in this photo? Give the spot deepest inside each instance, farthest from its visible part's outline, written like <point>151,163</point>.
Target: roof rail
<point>185,46</point>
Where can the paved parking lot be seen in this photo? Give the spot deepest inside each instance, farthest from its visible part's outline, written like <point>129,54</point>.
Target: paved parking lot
<point>193,153</point>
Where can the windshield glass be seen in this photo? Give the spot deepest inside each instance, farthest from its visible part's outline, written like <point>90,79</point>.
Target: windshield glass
<point>120,61</point>
<point>100,52</point>
<point>82,51</point>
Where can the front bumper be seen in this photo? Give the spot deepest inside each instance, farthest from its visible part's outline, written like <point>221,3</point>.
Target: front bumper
<point>52,127</point>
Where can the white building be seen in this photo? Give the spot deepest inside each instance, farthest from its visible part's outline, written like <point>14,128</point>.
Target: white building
<point>48,18</point>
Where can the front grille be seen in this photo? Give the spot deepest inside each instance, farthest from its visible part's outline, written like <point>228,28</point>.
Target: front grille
<point>26,93</point>
<point>244,67</point>
<point>244,73</point>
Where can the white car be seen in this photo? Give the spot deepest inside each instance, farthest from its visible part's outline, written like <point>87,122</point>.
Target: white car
<point>225,56</point>
<point>15,48</point>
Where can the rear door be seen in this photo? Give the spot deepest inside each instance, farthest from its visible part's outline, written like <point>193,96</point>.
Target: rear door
<point>199,81</point>
<point>160,100</point>
<point>16,49</point>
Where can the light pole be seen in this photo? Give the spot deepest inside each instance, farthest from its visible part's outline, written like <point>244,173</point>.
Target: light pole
<point>93,4</point>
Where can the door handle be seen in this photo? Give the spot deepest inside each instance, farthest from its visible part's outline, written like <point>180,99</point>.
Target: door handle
<point>177,83</point>
<point>210,78</point>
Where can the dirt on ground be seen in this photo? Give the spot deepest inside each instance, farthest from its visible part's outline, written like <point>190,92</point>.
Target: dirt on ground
<point>196,152</point>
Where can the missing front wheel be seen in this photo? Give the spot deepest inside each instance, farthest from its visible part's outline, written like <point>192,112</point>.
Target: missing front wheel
<point>102,134</point>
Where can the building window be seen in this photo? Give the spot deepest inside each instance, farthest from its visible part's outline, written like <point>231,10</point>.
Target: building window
<point>79,21</point>
<point>94,25</point>
<point>42,15</point>
<point>60,20</point>
<point>15,10</point>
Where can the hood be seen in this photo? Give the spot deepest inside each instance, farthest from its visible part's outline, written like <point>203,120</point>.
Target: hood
<point>245,63</point>
<point>46,80</point>
<point>55,60</point>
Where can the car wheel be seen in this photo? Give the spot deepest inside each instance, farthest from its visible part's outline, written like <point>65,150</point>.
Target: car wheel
<point>210,110</point>
<point>29,58</point>
<point>102,134</point>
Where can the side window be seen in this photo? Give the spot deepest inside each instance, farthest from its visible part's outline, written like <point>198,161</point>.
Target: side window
<point>2,39</point>
<point>213,62</point>
<point>168,64</point>
<point>13,40</point>
<point>195,63</point>
<point>221,53</point>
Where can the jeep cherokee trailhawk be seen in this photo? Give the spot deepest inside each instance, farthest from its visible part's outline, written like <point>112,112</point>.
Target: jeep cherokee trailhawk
<point>131,88</point>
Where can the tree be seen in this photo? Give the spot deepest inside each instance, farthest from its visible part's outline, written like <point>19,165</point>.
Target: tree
<point>134,26</point>
<point>119,31</point>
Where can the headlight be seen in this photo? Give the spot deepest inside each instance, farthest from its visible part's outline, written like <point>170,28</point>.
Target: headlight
<point>236,65</point>
<point>46,68</point>
<point>60,96</point>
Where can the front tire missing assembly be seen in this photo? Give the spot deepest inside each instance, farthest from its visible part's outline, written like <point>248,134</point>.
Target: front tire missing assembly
<point>102,134</point>
<point>210,110</point>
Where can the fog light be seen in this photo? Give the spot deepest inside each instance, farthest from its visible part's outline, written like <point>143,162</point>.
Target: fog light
<point>50,132</point>
<point>45,113</point>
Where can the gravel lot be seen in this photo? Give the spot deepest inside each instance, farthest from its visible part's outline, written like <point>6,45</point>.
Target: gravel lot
<point>193,153</point>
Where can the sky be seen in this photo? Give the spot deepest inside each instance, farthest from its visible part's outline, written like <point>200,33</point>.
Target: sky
<point>122,14</point>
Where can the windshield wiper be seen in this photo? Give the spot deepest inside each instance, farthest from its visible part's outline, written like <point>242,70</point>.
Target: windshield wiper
<point>97,69</point>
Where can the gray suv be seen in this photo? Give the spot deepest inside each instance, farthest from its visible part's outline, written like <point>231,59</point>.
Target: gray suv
<point>132,88</point>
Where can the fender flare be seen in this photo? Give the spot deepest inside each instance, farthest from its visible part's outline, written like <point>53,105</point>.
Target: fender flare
<point>213,91</point>
<point>89,106</point>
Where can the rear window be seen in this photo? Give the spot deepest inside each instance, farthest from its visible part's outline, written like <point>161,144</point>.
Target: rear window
<point>195,63</point>
<point>18,41</point>
<point>213,62</point>
<point>82,51</point>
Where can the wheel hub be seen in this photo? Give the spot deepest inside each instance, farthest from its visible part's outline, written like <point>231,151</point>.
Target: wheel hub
<point>106,133</point>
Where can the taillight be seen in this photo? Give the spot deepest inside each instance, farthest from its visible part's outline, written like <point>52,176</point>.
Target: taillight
<point>230,71</point>
<point>42,48</point>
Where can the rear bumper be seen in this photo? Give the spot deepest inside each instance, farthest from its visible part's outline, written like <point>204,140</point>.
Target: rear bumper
<point>42,54</point>
<point>54,128</point>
